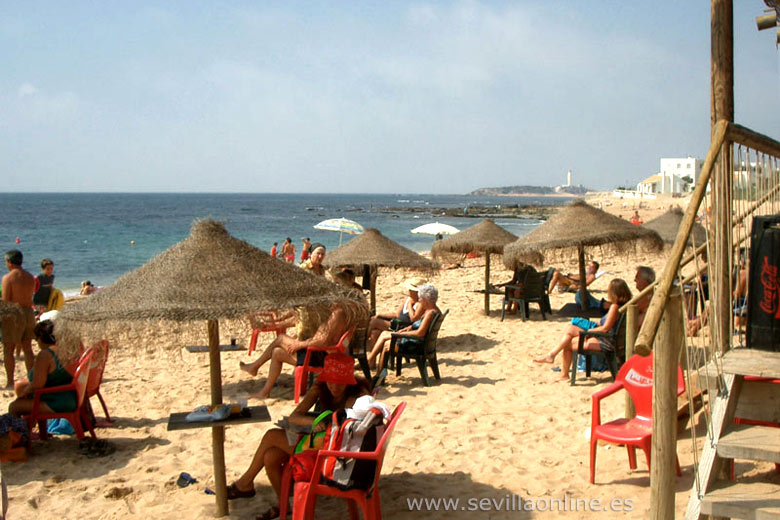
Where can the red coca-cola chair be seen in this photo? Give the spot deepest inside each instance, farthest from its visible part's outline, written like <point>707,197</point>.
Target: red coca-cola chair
<point>302,371</point>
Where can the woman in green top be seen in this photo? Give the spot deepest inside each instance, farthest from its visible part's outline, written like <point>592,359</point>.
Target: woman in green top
<point>47,372</point>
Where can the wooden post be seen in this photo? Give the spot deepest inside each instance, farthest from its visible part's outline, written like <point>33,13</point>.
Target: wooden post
<point>374,270</point>
<point>217,432</point>
<point>664,446</point>
<point>722,108</point>
<point>487,284</point>
<point>583,281</point>
<point>631,329</point>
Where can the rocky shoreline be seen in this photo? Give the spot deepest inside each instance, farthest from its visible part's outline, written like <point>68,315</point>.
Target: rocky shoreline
<point>518,211</point>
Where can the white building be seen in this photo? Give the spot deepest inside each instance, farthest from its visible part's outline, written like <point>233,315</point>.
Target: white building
<point>677,176</point>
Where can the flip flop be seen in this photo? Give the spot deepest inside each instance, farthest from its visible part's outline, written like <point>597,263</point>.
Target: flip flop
<point>272,513</point>
<point>233,492</point>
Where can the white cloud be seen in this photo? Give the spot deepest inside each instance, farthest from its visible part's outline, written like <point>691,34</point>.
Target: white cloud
<point>27,89</point>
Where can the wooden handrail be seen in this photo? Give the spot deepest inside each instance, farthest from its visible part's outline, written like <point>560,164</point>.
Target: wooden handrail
<point>747,137</point>
<point>654,311</point>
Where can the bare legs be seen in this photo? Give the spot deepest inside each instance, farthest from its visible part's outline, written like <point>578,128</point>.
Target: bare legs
<point>572,333</point>
<point>277,354</point>
<point>568,353</point>
<point>271,455</point>
<point>10,362</point>
<point>379,347</point>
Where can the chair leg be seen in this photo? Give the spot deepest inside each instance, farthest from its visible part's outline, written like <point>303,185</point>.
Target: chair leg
<point>398,363</point>
<point>354,514</point>
<point>593,444</point>
<point>103,404</point>
<point>434,362</point>
<point>575,359</point>
<point>631,456</point>
<point>521,307</point>
<point>363,361</point>
<point>423,370</point>
<point>253,341</point>
<point>284,496</point>
<point>588,360</point>
<point>503,309</point>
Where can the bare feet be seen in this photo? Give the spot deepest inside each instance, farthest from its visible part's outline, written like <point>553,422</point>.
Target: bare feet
<point>546,359</point>
<point>562,378</point>
<point>262,394</point>
<point>249,368</point>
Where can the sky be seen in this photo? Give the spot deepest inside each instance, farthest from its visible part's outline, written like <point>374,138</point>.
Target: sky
<point>363,96</point>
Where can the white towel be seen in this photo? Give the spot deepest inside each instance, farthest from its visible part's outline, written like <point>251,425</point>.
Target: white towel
<point>363,405</point>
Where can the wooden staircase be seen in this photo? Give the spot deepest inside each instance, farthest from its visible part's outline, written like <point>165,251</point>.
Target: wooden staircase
<point>746,399</point>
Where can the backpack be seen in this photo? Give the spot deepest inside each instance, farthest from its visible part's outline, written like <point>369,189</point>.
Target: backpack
<point>352,435</point>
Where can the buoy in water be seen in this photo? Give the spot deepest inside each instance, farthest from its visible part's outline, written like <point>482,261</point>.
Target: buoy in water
<point>132,242</point>
<point>18,240</point>
<point>85,241</point>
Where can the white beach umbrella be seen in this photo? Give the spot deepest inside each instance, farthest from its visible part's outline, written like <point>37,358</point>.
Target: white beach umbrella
<point>342,225</point>
<point>435,228</point>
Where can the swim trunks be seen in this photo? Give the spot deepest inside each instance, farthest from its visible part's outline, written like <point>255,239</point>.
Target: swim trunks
<point>16,331</point>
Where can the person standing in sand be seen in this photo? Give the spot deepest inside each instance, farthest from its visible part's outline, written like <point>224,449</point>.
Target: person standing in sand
<point>288,250</point>
<point>305,249</point>
<point>273,250</point>
<point>45,285</point>
<point>18,287</point>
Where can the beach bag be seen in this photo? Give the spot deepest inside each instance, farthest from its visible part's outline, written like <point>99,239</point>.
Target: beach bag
<point>313,441</point>
<point>302,465</point>
<point>14,435</point>
<point>353,435</point>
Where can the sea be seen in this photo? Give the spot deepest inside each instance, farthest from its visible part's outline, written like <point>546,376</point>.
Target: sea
<point>101,236</point>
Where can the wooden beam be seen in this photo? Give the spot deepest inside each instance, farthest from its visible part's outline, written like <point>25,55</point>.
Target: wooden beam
<point>583,281</point>
<point>631,329</point>
<point>487,283</point>
<point>747,137</point>
<point>217,432</point>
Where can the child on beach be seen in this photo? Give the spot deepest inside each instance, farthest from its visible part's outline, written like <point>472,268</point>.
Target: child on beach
<point>618,293</point>
<point>45,285</point>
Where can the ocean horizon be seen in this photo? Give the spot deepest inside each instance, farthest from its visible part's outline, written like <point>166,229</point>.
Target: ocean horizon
<point>101,236</point>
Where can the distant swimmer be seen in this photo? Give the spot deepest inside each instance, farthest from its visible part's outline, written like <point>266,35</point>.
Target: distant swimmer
<point>273,250</point>
<point>87,288</point>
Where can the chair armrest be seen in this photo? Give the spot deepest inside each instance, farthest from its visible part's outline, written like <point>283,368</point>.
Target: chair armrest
<point>399,335</point>
<point>598,396</point>
<point>324,349</point>
<point>514,287</point>
<point>55,389</point>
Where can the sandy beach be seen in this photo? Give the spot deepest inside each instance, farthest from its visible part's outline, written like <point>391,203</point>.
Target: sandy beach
<point>495,427</point>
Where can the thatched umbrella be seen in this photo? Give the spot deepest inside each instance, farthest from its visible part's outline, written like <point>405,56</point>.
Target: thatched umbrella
<point>486,237</point>
<point>371,248</point>
<point>668,224</point>
<point>208,276</point>
<point>577,226</point>
<point>10,313</point>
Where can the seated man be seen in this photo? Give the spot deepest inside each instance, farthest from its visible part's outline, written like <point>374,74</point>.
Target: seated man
<point>571,282</point>
<point>286,349</point>
<point>644,276</point>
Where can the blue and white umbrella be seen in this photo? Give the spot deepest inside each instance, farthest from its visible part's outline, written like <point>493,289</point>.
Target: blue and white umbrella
<point>342,225</point>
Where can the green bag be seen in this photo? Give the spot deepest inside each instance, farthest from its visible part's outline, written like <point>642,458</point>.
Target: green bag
<point>313,441</point>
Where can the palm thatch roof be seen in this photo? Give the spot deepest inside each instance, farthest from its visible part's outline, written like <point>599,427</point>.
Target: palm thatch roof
<point>373,248</point>
<point>9,310</point>
<point>208,276</point>
<point>576,226</point>
<point>668,224</point>
<point>487,237</point>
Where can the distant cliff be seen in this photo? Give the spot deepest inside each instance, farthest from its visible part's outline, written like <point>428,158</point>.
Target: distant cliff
<point>530,190</point>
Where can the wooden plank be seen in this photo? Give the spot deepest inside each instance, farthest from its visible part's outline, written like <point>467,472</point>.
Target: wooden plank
<point>751,442</point>
<point>754,500</point>
<point>752,362</point>
<point>758,401</point>
<point>177,421</point>
<point>222,348</point>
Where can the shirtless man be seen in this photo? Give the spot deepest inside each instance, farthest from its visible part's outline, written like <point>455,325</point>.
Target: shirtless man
<point>572,281</point>
<point>18,287</point>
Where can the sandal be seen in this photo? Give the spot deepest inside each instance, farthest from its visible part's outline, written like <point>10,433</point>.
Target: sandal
<point>233,492</point>
<point>272,513</point>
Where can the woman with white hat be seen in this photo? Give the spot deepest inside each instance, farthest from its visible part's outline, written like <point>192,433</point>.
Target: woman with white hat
<point>403,317</point>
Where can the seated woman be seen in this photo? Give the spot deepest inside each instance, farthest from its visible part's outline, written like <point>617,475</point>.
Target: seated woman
<point>618,293</point>
<point>336,388</point>
<point>518,278</point>
<point>47,372</point>
<point>428,296</point>
<point>406,313</point>
<point>286,349</point>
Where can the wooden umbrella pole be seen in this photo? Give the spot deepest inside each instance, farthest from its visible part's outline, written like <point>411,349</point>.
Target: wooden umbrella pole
<point>583,280</point>
<point>487,284</point>
<point>217,432</point>
<point>374,270</point>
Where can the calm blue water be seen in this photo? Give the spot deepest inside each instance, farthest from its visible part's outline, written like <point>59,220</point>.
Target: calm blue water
<point>89,235</point>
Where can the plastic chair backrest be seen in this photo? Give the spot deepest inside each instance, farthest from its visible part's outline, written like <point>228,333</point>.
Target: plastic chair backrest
<point>97,366</point>
<point>358,341</point>
<point>637,378</point>
<point>532,285</point>
<point>620,338</point>
<point>81,377</point>
<point>381,447</point>
<point>433,331</point>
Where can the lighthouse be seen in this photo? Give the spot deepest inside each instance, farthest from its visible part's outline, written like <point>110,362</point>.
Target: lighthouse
<point>568,178</point>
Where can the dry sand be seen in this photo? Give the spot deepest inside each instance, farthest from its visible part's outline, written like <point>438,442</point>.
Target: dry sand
<point>496,424</point>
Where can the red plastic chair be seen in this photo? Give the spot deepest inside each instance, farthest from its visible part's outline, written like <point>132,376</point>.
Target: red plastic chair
<point>305,493</point>
<point>75,417</point>
<point>256,333</point>
<point>636,376</point>
<point>302,371</point>
<point>98,366</point>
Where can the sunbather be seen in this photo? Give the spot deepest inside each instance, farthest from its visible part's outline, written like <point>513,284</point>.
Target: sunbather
<point>570,281</point>
<point>336,388</point>
<point>286,349</point>
<point>406,314</point>
<point>618,293</point>
<point>428,296</point>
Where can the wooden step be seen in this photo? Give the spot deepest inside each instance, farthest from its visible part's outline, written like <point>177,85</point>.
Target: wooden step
<point>751,362</point>
<point>750,442</point>
<point>754,500</point>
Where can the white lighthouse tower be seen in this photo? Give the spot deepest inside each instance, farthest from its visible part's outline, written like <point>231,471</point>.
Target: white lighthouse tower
<point>568,178</point>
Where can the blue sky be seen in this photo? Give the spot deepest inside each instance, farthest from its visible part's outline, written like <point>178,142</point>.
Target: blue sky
<point>369,96</point>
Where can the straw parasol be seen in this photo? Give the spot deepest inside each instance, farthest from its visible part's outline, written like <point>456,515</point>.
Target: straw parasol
<point>10,313</point>
<point>668,224</point>
<point>486,237</point>
<point>373,249</point>
<point>208,276</point>
<point>577,226</point>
